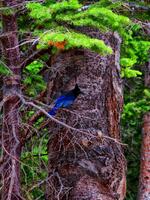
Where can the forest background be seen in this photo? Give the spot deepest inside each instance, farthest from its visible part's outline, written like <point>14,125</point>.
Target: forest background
<point>130,19</point>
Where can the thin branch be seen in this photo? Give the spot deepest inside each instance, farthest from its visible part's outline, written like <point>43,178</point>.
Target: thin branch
<point>35,55</point>
<point>12,181</point>
<point>19,5</point>
<point>64,124</point>
<point>21,44</point>
<point>39,184</point>
<point>16,159</point>
<point>3,101</point>
<point>136,7</point>
<point>36,155</point>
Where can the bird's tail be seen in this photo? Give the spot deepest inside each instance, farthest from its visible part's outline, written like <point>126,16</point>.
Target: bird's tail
<point>52,112</point>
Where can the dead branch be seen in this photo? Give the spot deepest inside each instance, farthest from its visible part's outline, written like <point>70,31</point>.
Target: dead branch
<point>34,56</point>
<point>64,124</point>
<point>134,7</point>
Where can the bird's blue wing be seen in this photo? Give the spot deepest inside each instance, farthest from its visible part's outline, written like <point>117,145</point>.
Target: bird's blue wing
<point>67,103</point>
<point>59,99</point>
<point>58,103</point>
<point>64,101</point>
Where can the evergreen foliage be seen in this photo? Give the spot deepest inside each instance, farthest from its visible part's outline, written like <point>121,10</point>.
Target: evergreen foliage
<point>55,26</point>
<point>73,39</point>
<point>61,19</point>
<point>33,81</point>
<point>104,15</point>
<point>4,70</point>
<point>65,15</point>
<point>136,103</point>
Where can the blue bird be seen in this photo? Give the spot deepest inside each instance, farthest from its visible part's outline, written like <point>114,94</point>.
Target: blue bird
<point>65,100</point>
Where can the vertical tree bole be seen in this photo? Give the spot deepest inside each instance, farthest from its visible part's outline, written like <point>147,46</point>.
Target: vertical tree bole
<point>88,165</point>
<point>144,178</point>
<point>11,124</point>
<point>144,182</point>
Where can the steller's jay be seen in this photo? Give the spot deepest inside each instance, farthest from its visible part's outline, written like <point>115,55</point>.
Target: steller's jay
<point>65,100</point>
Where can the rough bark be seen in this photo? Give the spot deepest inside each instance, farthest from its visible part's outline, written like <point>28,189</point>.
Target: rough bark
<point>144,182</point>
<point>11,125</point>
<point>147,75</point>
<point>88,166</point>
<point>144,179</point>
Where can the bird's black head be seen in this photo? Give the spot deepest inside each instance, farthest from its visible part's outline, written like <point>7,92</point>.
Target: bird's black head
<point>77,90</point>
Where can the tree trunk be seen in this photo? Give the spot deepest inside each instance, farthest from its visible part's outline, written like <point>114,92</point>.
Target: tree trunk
<point>144,183</point>
<point>144,180</point>
<point>147,75</point>
<point>11,125</point>
<point>87,164</point>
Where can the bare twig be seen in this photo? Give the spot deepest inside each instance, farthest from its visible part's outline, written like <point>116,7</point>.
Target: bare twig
<point>64,124</point>
<point>136,7</point>
<point>13,174</point>
<point>19,5</point>
<point>35,55</point>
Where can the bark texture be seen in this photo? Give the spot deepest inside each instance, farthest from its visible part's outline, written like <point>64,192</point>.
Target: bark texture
<point>147,75</point>
<point>144,183</point>
<point>87,165</point>
<point>10,168</point>
<point>144,180</point>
